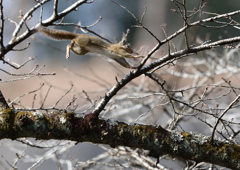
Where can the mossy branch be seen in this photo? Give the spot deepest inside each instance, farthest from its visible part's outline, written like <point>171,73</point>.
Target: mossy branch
<point>90,128</point>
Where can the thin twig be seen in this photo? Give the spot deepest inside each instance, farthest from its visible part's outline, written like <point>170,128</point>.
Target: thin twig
<point>45,96</point>
<point>223,113</point>
<point>1,25</point>
<point>13,101</point>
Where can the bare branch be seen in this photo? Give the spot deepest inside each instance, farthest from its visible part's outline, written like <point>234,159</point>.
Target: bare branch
<point>55,9</point>
<point>23,20</point>
<point>223,113</point>
<point>1,25</point>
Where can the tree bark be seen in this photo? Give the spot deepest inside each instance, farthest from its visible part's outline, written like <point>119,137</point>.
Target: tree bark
<point>155,139</point>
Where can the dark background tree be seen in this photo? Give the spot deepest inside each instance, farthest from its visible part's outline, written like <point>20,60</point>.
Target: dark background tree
<point>177,110</point>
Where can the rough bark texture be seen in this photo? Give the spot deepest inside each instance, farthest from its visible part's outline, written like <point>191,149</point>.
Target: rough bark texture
<point>155,139</point>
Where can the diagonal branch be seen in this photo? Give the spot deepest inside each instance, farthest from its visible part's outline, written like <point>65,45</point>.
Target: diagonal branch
<point>24,18</point>
<point>18,39</point>
<point>223,113</point>
<point>132,75</point>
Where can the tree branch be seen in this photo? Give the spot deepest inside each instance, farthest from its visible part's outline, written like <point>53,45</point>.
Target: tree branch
<point>132,75</point>
<point>18,39</point>
<point>155,139</point>
<point>2,25</point>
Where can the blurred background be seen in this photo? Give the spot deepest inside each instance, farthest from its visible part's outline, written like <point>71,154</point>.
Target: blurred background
<point>79,69</point>
<point>51,53</point>
<point>115,21</point>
